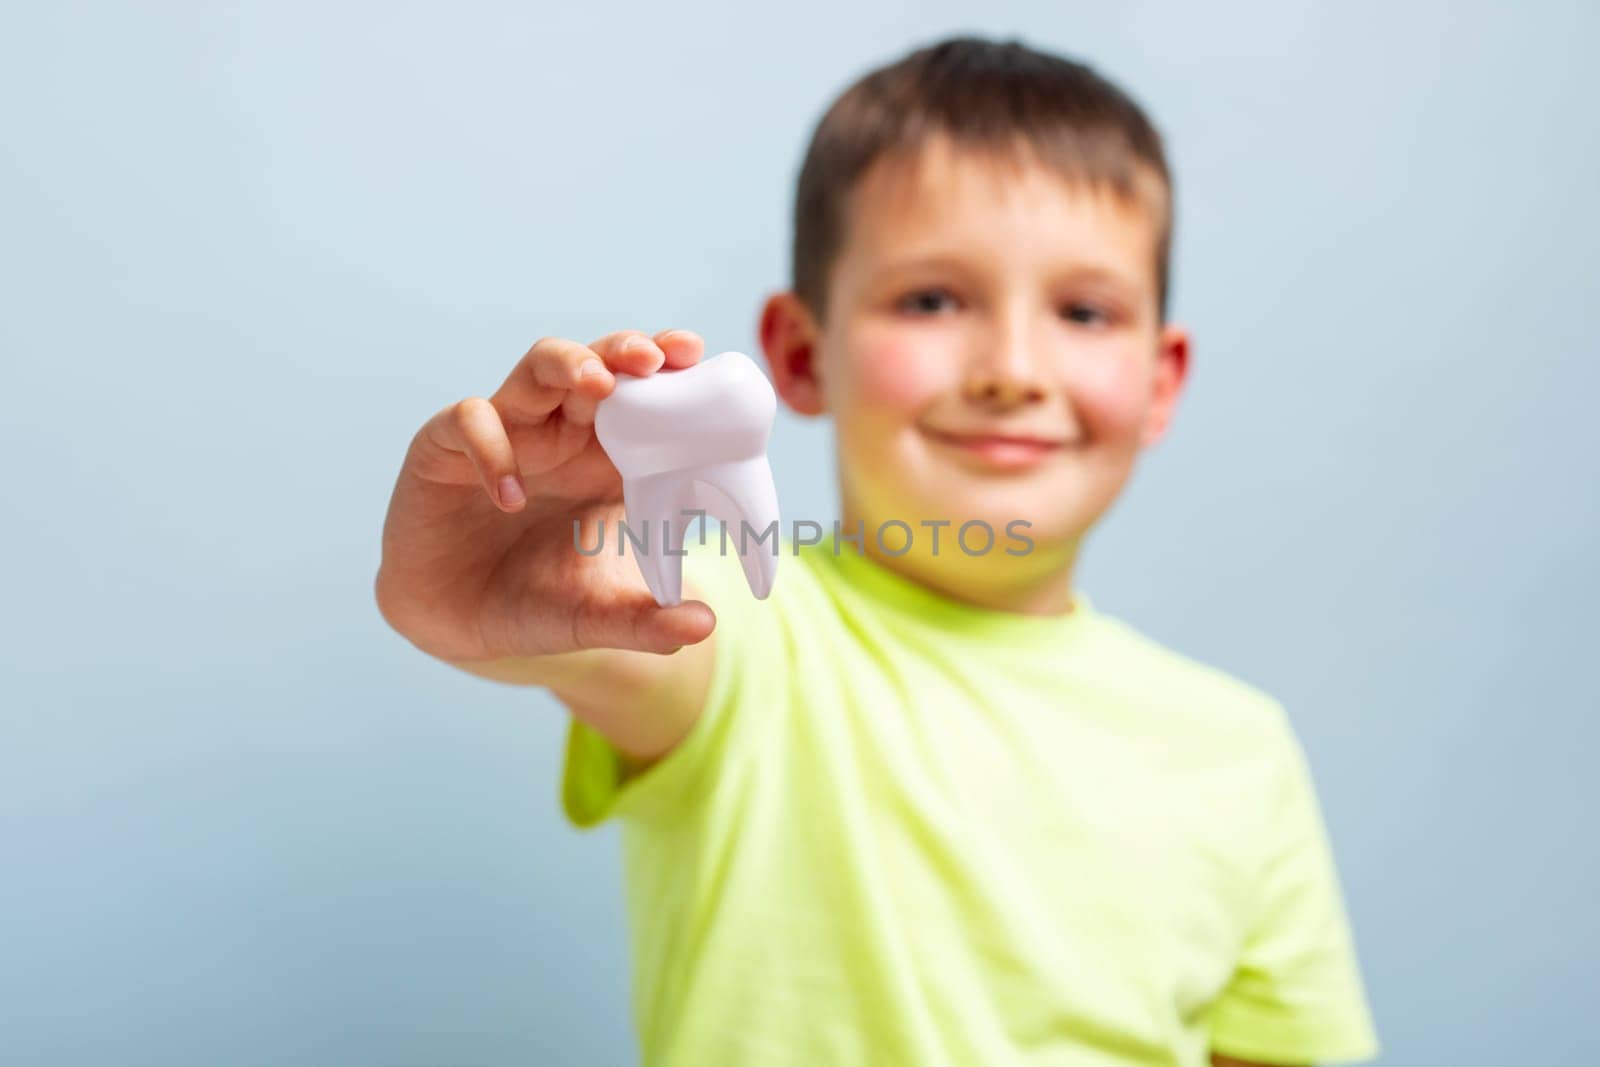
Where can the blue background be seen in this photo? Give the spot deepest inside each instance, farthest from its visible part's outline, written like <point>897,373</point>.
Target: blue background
<point>246,253</point>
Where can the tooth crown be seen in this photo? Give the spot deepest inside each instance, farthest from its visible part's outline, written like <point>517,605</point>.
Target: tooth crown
<point>717,410</point>
<point>694,439</point>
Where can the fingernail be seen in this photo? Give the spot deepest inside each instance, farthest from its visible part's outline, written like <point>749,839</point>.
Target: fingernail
<point>634,343</point>
<point>591,368</point>
<point>511,491</point>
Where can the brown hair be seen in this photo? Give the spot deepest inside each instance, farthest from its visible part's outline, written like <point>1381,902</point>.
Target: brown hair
<point>997,96</point>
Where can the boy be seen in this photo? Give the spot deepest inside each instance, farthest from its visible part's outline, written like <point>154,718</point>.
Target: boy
<point>926,804</point>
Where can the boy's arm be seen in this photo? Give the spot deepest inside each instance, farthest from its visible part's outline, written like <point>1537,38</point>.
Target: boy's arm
<point>1296,995</point>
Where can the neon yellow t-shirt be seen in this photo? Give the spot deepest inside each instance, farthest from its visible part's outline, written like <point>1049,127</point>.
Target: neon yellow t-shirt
<point>906,830</point>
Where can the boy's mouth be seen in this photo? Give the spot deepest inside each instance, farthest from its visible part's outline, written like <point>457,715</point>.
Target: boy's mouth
<point>1004,451</point>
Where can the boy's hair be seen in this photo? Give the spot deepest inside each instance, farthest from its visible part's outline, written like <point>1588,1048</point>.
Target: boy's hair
<point>998,97</point>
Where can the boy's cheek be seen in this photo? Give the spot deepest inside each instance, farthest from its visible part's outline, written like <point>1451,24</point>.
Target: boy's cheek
<point>1111,396</point>
<point>898,374</point>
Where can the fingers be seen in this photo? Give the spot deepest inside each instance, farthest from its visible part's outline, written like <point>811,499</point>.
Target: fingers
<point>622,351</point>
<point>630,351</point>
<point>473,427</point>
<point>555,373</point>
<point>683,348</point>
<point>665,630</point>
<point>637,622</point>
<point>543,377</point>
<point>558,373</point>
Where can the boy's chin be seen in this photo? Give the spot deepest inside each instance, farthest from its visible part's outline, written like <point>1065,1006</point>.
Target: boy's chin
<point>1053,515</point>
<point>1055,520</point>
<point>1017,529</point>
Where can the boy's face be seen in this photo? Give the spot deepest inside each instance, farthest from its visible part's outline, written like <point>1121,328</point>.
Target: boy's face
<point>993,350</point>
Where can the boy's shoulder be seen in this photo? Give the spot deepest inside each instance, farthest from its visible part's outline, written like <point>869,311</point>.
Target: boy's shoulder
<point>1169,666</point>
<point>1185,687</point>
<point>1120,659</point>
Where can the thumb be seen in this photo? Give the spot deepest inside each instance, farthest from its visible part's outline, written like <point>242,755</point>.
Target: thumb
<point>634,620</point>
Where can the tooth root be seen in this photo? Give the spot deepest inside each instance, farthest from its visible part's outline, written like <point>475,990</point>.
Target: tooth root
<point>743,491</point>
<point>654,508</point>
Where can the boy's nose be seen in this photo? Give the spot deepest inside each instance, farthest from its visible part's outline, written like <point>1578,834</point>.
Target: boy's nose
<point>1005,376</point>
<point>1002,391</point>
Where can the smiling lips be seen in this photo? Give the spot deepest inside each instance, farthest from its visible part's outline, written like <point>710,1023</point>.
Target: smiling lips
<point>1002,451</point>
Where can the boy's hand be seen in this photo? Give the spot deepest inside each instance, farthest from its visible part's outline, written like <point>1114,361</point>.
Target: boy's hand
<point>478,556</point>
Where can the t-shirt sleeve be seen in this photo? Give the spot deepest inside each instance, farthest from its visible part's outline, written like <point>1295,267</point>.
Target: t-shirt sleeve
<point>1296,995</point>
<point>593,784</point>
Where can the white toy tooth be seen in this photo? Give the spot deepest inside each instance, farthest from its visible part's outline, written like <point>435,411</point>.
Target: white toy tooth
<point>692,439</point>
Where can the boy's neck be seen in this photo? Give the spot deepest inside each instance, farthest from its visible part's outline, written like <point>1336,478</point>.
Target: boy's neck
<point>1038,582</point>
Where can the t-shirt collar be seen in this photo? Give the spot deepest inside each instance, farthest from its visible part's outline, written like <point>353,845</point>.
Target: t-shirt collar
<point>937,609</point>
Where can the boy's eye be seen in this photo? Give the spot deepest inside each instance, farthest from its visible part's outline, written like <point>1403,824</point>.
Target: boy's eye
<point>933,300</point>
<point>1087,314</point>
<point>924,300</point>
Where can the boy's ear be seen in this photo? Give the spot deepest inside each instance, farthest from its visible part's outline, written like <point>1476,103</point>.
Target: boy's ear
<point>1172,370</point>
<point>789,339</point>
